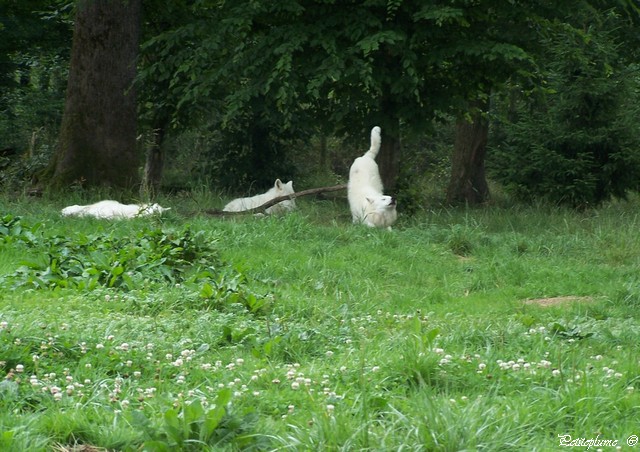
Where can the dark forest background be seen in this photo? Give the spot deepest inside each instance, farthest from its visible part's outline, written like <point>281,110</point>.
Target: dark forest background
<point>475,97</point>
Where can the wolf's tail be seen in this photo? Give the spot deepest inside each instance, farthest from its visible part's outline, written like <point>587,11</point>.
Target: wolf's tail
<point>375,143</point>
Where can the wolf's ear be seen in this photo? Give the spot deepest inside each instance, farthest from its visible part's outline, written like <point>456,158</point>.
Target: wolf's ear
<point>278,184</point>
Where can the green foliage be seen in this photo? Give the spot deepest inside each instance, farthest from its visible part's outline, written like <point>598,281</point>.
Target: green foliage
<point>149,258</point>
<point>33,67</point>
<point>193,426</point>
<point>86,262</point>
<point>266,75</point>
<point>12,230</point>
<point>577,143</point>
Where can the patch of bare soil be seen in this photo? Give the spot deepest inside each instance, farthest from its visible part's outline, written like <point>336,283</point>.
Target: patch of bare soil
<point>554,301</point>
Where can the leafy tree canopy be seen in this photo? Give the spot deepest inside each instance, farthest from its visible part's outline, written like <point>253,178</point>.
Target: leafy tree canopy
<point>345,64</point>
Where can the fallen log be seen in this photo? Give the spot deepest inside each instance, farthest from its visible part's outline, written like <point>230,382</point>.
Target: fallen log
<point>274,201</point>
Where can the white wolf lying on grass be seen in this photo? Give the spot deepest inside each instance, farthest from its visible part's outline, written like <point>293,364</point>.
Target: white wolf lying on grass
<point>278,189</point>
<point>364,191</point>
<point>113,210</point>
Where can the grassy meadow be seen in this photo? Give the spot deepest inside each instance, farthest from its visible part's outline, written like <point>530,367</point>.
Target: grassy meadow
<point>502,328</point>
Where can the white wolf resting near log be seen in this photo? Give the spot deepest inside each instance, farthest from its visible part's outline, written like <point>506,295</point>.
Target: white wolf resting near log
<point>365,192</point>
<point>278,189</point>
<point>113,210</point>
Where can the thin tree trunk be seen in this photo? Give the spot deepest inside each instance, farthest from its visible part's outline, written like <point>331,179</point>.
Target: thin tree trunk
<point>468,183</point>
<point>97,141</point>
<point>154,165</point>
<point>389,157</point>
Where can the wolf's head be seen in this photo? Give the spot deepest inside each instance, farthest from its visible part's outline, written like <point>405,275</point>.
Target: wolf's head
<point>152,209</point>
<point>381,211</point>
<point>282,189</point>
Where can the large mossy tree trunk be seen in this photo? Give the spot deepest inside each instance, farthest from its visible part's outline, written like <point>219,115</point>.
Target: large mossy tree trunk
<point>97,140</point>
<point>468,183</point>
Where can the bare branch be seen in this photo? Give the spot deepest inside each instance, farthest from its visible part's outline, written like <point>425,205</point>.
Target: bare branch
<point>274,201</point>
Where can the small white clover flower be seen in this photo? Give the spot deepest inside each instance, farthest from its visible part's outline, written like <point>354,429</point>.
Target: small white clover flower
<point>295,385</point>
<point>19,368</point>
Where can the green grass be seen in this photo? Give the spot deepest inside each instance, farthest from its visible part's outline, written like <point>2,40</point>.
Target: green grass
<point>308,333</point>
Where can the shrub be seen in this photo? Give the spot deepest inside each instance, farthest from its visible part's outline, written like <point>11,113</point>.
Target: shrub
<point>577,144</point>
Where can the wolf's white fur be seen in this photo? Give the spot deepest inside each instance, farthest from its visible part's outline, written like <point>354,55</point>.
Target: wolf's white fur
<point>278,189</point>
<point>113,210</point>
<point>365,192</point>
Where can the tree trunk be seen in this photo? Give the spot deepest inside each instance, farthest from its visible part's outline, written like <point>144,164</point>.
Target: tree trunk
<point>389,157</point>
<point>97,140</point>
<point>468,182</point>
<point>154,165</point>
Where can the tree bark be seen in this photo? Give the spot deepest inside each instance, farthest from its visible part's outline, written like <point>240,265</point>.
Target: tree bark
<point>97,140</point>
<point>389,156</point>
<point>468,183</point>
<point>154,165</point>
